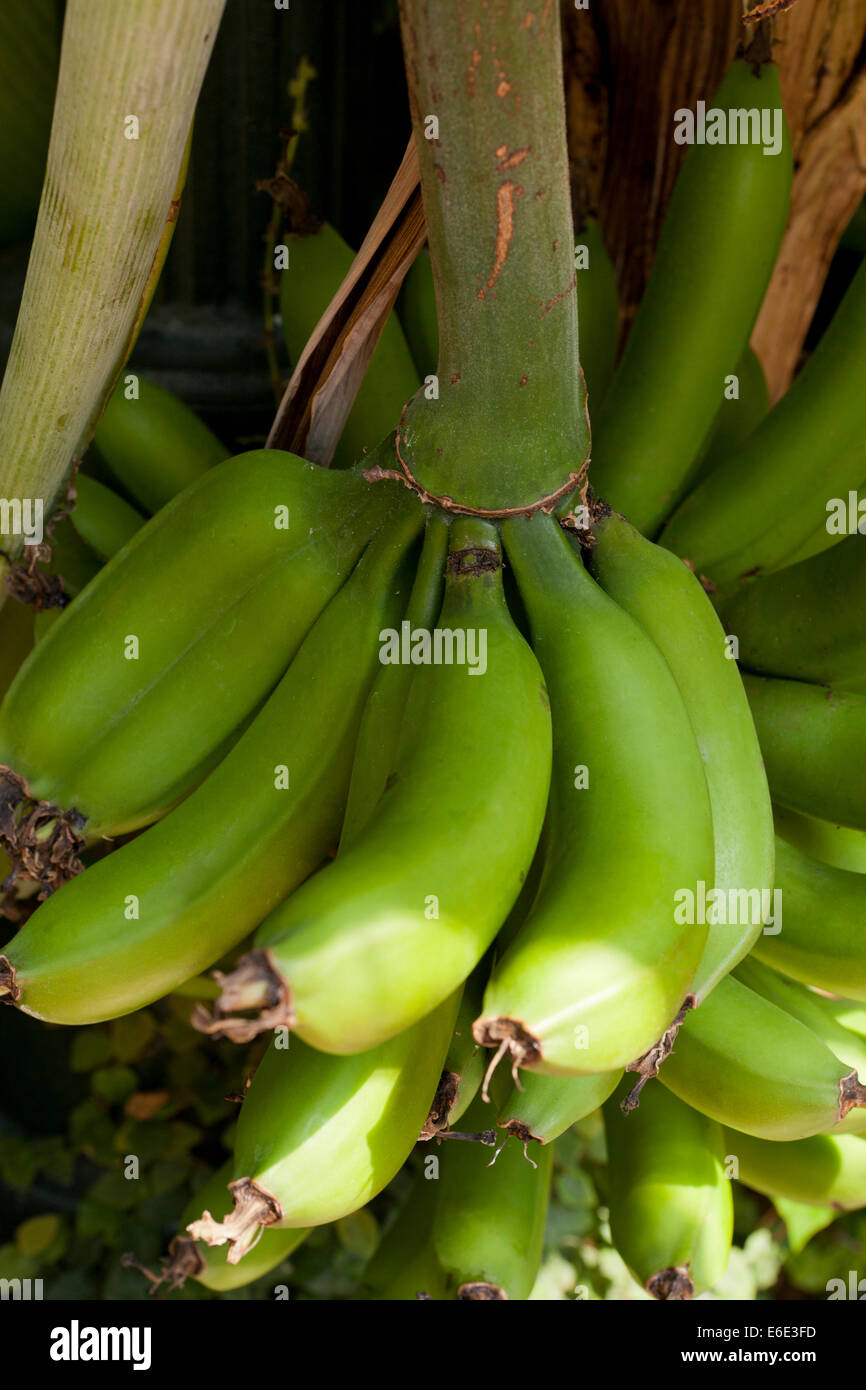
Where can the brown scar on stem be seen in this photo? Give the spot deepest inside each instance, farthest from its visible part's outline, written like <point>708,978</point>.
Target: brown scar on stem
<point>648,1064</point>
<point>472,72</point>
<point>852,1094</point>
<point>510,161</point>
<point>506,1035</point>
<point>673,1285</point>
<point>506,194</point>
<point>254,1210</point>
<point>481,1293</point>
<point>551,303</point>
<point>255,983</point>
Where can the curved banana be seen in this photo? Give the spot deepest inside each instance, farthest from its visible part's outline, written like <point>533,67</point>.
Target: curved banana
<point>834,844</point>
<point>822,940</point>
<point>319,260</point>
<point>319,1136</point>
<point>826,1170</point>
<point>103,520</point>
<point>597,312</point>
<point>812,739</point>
<point>752,1066</point>
<point>153,444</point>
<point>801,624</point>
<point>665,598</point>
<point>389,929</point>
<point>543,1107</point>
<point>488,1228</point>
<point>601,965</point>
<point>173,900</point>
<point>712,266</point>
<point>671,1204</point>
<point>146,680</point>
<point>756,509</point>
<point>737,418</point>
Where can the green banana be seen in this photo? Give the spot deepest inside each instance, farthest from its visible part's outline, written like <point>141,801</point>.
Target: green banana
<point>153,444</point>
<point>172,901</point>
<point>488,1228</point>
<point>812,739</point>
<point>671,1204</point>
<point>808,1008</point>
<point>756,509</point>
<point>800,623</point>
<point>190,1259</point>
<point>822,940</point>
<point>737,418</point>
<point>820,839</point>
<point>826,1170</point>
<point>597,312</point>
<point>543,1107</point>
<point>379,734</point>
<point>103,520</point>
<point>29,50</point>
<point>318,1136</point>
<point>751,1065</point>
<point>712,266</point>
<point>600,967</point>
<point>417,310</point>
<point>665,598</point>
<point>463,1071</point>
<point>397,922</point>
<point>404,1266</point>
<point>318,264</point>
<point>849,1014</point>
<point>146,680</point>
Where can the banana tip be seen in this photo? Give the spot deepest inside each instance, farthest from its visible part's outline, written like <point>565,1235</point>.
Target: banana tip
<point>10,990</point>
<point>254,985</point>
<point>506,1035</point>
<point>254,1209</point>
<point>672,1285</point>
<point>481,1293</point>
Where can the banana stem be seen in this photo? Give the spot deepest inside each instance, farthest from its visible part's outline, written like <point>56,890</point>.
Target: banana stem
<point>485,89</point>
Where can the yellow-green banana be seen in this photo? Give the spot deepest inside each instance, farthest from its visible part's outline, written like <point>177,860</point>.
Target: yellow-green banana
<point>318,1136</point>
<point>543,1107</point>
<point>822,940</point>
<point>671,1205</point>
<point>488,1228</point>
<point>153,444</point>
<point>172,901</point>
<point>389,929</point>
<point>147,679</point>
<point>601,965</point>
<point>664,597</point>
<point>826,1170</point>
<point>828,841</point>
<point>404,1266</point>
<point>752,1066</point>
<point>812,739</point>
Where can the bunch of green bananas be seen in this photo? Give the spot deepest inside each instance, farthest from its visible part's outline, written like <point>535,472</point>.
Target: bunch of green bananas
<point>456,820</point>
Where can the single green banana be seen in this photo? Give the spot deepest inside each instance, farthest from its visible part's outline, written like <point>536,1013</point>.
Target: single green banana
<point>752,1066</point>
<point>417,310</point>
<point>318,264</point>
<point>172,901</point>
<point>812,739</point>
<point>809,1009</point>
<point>597,312</point>
<point>838,845</point>
<point>147,679</point>
<point>826,1170</point>
<point>712,266</point>
<point>190,1259</point>
<point>848,1013</point>
<point>389,929</point>
<point>103,520</point>
<point>153,444</point>
<point>822,941</point>
<point>737,418</point>
<point>666,599</point>
<point>379,734</point>
<point>488,1228</point>
<point>758,506</point>
<point>601,965</point>
<point>319,1136</point>
<point>801,624</point>
<point>671,1204</point>
<point>543,1107</point>
<point>404,1266</point>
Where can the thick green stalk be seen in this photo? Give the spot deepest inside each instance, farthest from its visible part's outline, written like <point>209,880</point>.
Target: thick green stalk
<point>485,85</point>
<point>129,79</point>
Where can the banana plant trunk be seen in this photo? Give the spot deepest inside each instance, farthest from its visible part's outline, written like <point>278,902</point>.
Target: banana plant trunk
<point>503,429</point>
